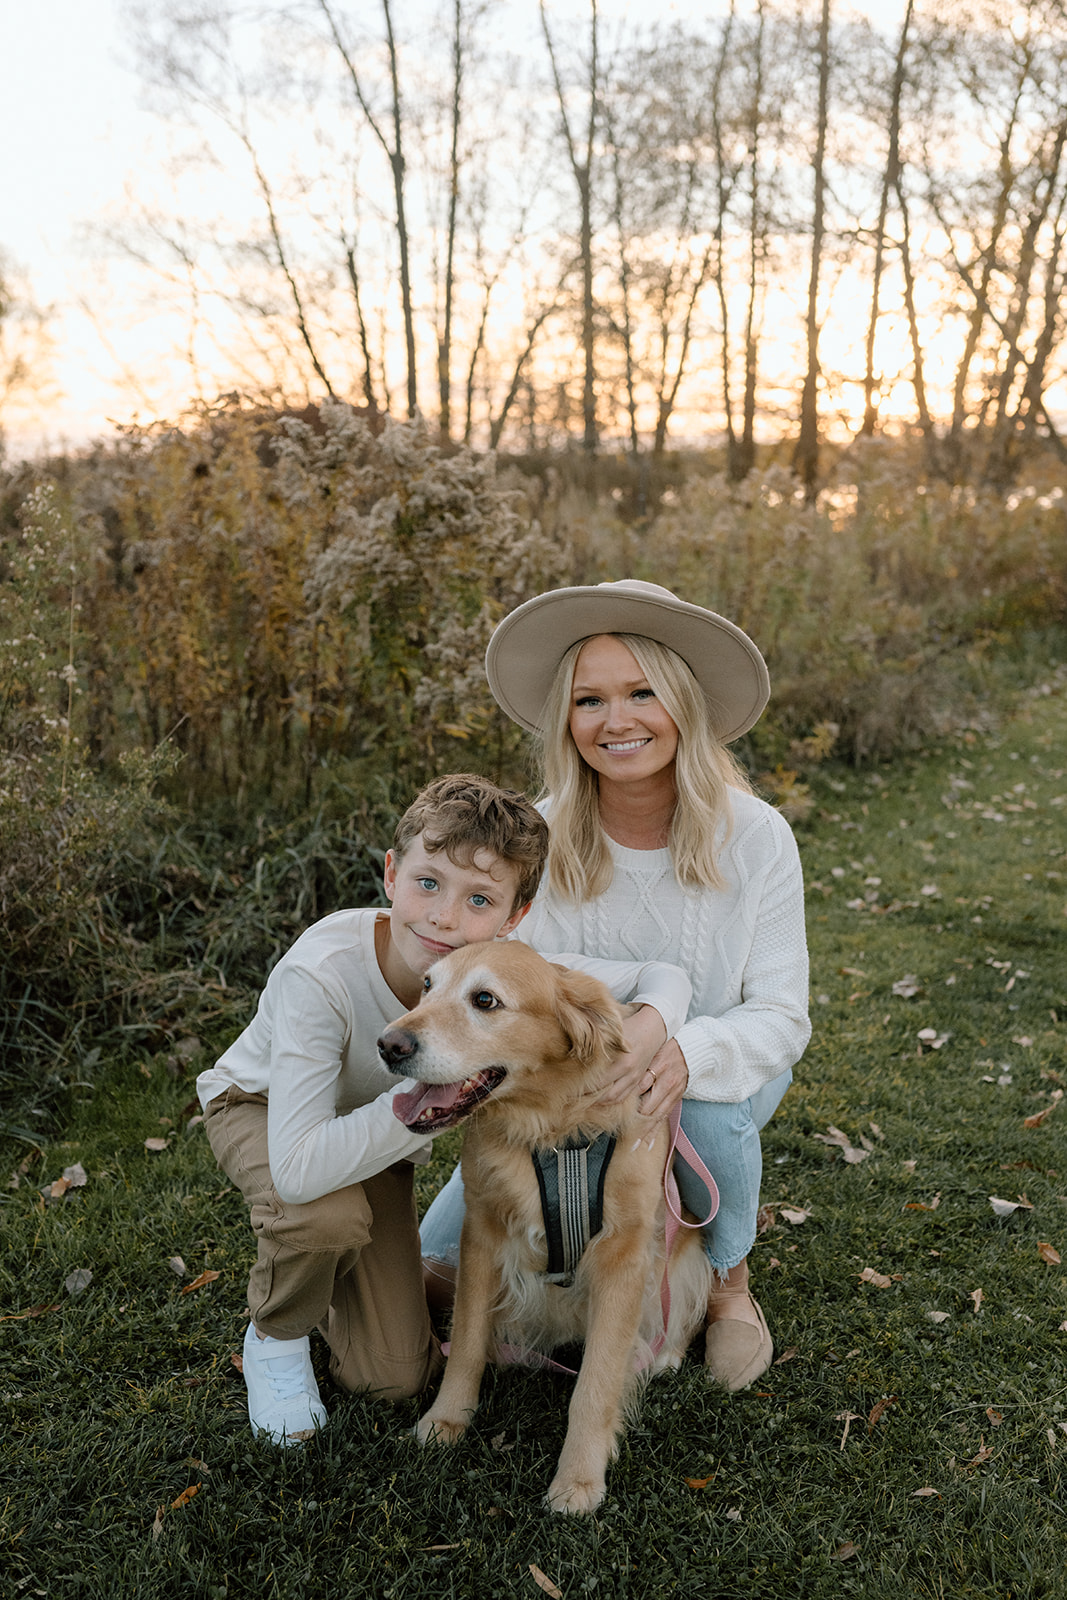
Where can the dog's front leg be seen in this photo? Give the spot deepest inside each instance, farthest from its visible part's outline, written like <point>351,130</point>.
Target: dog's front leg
<point>595,1418</point>
<point>477,1290</point>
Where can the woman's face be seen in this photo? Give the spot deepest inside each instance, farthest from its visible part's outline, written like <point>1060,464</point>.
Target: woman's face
<point>618,726</point>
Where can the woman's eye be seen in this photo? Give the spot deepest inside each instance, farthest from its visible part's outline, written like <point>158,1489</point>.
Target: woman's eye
<point>482,1000</point>
<point>644,694</point>
<point>586,701</point>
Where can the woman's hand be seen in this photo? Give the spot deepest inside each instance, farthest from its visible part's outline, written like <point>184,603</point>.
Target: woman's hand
<point>665,1082</point>
<point>653,1066</point>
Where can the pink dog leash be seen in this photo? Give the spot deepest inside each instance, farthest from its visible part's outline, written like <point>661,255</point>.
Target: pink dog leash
<point>681,1145</point>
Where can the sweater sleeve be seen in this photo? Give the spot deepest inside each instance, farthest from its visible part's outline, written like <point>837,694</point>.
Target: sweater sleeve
<point>312,1150</point>
<point>732,1055</point>
<point>657,984</point>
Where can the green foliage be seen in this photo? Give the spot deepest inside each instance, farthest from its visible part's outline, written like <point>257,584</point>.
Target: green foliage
<point>121,1395</point>
<point>64,831</point>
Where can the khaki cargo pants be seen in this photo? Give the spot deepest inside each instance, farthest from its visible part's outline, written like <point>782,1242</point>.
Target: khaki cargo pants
<point>348,1264</point>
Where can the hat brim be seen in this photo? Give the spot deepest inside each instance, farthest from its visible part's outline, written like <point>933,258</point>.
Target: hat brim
<point>527,647</point>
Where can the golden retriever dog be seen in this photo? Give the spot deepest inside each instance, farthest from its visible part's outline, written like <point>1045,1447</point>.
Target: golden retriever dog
<point>519,1048</point>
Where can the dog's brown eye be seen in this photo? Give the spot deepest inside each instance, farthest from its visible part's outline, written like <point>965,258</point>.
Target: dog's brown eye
<point>426,984</point>
<point>484,1001</point>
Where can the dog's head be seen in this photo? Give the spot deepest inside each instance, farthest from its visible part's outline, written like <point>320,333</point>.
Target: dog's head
<point>498,1019</point>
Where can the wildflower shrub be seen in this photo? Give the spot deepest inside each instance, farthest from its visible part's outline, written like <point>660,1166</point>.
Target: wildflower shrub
<point>286,595</point>
<point>282,593</point>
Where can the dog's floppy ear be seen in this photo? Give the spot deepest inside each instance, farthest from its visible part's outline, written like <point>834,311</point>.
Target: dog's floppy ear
<point>588,1015</point>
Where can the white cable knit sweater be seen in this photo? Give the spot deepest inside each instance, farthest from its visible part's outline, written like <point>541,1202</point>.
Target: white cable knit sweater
<point>743,947</point>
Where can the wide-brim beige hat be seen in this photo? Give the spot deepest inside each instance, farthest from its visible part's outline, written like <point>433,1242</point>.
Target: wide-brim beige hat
<point>528,646</point>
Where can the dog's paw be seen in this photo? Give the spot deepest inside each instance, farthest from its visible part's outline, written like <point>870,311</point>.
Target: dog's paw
<point>439,1430</point>
<point>577,1498</point>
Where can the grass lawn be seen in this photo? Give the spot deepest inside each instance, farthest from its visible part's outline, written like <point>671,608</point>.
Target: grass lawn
<point>911,1440</point>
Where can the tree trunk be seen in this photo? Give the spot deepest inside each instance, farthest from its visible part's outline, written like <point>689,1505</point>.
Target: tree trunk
<point>806,454</point>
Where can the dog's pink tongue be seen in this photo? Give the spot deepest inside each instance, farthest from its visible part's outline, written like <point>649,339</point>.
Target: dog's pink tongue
<point>418,1105</point>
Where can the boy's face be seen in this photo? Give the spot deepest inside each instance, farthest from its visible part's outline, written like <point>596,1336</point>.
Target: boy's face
<point>436,905</point>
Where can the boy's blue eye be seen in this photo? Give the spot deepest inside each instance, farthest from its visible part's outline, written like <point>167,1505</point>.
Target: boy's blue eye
<point>426,883</point>
<point>479,901</point>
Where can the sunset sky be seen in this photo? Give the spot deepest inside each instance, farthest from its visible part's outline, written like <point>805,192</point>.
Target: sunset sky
<point>79,136</point>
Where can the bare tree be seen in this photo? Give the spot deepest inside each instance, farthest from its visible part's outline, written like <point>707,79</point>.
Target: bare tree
<point>806,454</point>
<point>580,158</point>
<point>394,153</point>
<point>890,186</point>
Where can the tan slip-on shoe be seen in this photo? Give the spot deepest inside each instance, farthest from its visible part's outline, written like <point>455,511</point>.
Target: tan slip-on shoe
<point>736,1353</point>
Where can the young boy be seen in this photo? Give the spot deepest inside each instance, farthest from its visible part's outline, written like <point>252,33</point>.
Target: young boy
<point>299,1109</point>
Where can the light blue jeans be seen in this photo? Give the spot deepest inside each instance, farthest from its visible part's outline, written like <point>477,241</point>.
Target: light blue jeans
<point>727,1139</point>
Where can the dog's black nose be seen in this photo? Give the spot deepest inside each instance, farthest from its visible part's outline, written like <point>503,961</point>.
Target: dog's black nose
<point>396,1047</point>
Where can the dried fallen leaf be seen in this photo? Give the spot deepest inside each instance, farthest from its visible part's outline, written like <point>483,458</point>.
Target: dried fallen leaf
<point>79,1280</point>
<point>157,1525</point>
<point>76,1176</point>
<point>545,1583</point>
<point>1049,1253</point>
<point>879,1279</point>
<point>981,1456</point>
<point>177,1266</point>
<point>157,1144</point>
<point>1039,1116</point>
<point>995,1417</point>
<point>764,1219</point>
<point>920,1205</point>
<point>185,1497</point>
<point>834,1136</point>
<point>907,986</point>
<point>977,1297</point>
<point>34,1311</point>
<point>1008,1208</point>
<point>938,1316</point>
<point>846,1551</point>
<point>878,1411</point>
<point>698,1483</point>
<point>794,1218</point>
<point>786,1355</point>
<point>198,1283</point>
<point>237,1360</point>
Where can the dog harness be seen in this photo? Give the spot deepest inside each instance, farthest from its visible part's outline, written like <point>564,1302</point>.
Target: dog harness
<point>571,1177</point>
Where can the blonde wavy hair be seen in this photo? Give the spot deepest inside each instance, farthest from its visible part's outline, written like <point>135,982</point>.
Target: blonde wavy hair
<point>579,861</point>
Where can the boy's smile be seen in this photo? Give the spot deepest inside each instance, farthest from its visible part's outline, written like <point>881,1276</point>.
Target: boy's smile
<point>437,905</point>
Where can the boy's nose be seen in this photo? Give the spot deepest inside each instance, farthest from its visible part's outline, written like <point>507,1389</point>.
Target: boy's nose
<point>443,914</point>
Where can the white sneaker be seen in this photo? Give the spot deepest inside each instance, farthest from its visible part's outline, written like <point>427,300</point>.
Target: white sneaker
<point>283,1397</point>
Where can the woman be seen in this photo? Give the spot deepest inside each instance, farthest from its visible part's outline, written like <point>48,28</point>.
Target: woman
<point>660,850</point>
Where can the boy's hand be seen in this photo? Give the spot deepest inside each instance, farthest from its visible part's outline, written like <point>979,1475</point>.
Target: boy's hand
<point>653,1066</point>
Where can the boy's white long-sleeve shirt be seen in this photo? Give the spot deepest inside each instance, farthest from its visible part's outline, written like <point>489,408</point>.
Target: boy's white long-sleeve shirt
<point>311,1048</point>
<point>744,946</point>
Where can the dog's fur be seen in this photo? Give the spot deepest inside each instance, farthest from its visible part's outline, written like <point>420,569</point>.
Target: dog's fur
<point>524,1047</point>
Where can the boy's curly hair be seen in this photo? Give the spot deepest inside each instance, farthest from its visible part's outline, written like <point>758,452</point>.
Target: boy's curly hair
<point>462,813</point>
